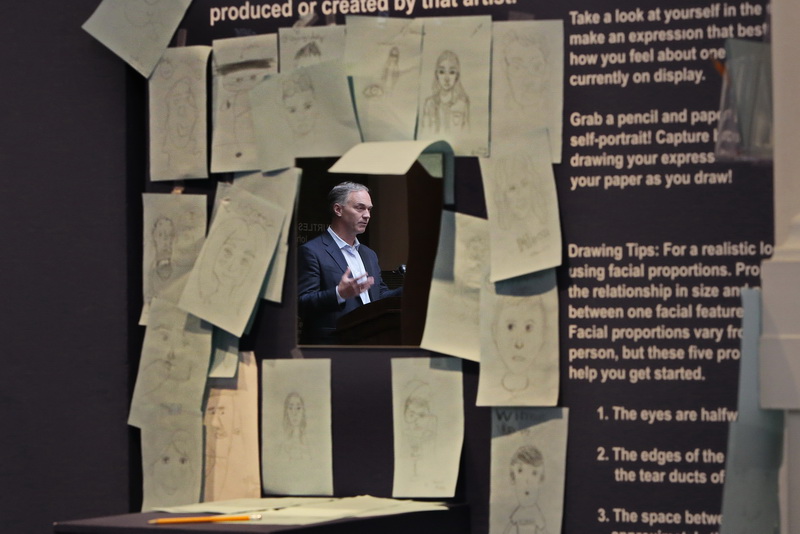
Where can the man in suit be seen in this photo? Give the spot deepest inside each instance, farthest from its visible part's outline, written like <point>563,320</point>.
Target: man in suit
<point>336,273</point>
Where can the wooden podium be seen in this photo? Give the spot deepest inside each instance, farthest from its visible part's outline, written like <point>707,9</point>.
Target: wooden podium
<point>401,320</point>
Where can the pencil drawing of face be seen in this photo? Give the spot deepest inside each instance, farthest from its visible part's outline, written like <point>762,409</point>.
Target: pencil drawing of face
<point>294,416</point>
<point>234,247</point>
<point>527,474</point>
<point>518,329</point>
<point>299,103</point>
<point>163,239</point>
<point>221,425</point>
<point>447,109</point>
<point>525,69</point>
<point>174,466</point>
<point>181,116</point>
<point>420,425</point>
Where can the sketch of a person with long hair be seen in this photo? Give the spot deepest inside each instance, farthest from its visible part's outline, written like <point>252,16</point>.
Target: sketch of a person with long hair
<point>233,249</point>
<point>293,447</point>
<point>447,109</point>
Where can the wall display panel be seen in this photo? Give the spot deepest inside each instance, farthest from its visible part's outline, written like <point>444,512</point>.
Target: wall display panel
<point>658,237</point>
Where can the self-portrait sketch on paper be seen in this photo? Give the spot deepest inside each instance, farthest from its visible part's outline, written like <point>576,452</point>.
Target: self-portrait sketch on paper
<point>297,457</point>
<point>226,281</point>
<point>527,82</point>
<point>240,63</point>
<point>519,342</point>
<point>177,110</point>
<point>428,425</point>
<point>172,370</point>
<point>174,228</point>
<point>383,55</point>
<point>522,208</point>
<point>172,460</point>
<point>454,84</point>
<point>527,470</point>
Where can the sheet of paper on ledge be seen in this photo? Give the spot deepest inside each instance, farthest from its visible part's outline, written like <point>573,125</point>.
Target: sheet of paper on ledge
<point>361,506</point>
<point>308,510</point>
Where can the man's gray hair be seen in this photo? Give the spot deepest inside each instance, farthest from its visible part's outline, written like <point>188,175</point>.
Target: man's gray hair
<point>340,192</point>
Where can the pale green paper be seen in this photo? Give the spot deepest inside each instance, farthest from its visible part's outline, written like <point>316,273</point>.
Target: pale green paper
<point>305,113</point>
<point>428,416</point>
<point>226,280</point>
<point>527,83</point>
<point>225,355</point>
<point>452,324</point>
<point>519,342</point>
<point>297,448</point>
<point>454,83</point>
<point>522,207</point>
<point>282,189</point>
<point>172,459</point>
<point>138,31</point>
<point>529,449</point>
<point>383,57</point>
<point>239,64</point>
<point>177,108</point>
<point>173,365</point>
<point>174,228</point>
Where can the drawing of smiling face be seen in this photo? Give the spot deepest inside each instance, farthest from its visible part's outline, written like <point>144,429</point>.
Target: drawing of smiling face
<point>235,259</point>
<point>527,480</point>
<point>447,71</point>
<point>519,334</point>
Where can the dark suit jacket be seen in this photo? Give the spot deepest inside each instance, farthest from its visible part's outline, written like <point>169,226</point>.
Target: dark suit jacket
<point>320,266</point>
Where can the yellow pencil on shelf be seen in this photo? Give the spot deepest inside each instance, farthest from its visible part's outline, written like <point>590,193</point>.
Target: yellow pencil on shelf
<point>203,519</point>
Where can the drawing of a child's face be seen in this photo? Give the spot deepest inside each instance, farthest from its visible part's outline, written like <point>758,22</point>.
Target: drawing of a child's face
<point>527,480</point>
<point>235,259</point>
<point>301,112</point>
<point>295,411</point>
<point>447,71</point>
<point>173,467</point>
<point>519,334</point>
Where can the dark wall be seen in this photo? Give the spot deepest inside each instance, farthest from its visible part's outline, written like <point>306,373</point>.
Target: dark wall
<point>63,289</point>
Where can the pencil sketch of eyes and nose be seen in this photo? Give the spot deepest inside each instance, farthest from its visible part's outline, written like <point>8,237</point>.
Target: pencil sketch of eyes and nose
<point>447,108</point>
<point>419,424</point>
<point>518,327</point>
<point>233,248</point>
<point>293,445</point>
<point>526,70</point>
<point>223,426</point>
<point>174,467</point>
<point>299,103</point>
